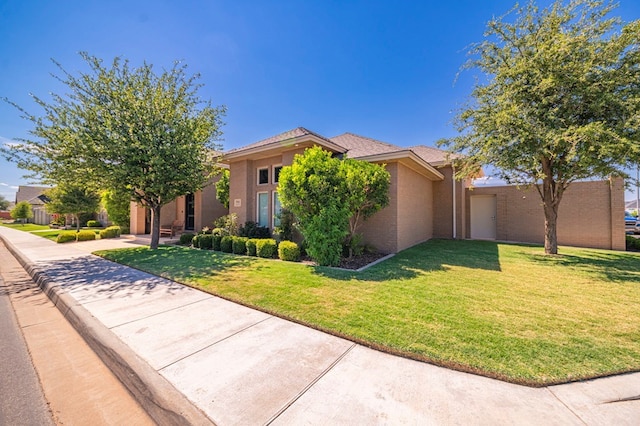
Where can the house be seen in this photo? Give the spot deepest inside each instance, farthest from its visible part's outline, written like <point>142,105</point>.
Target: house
<point>34,195</point>
<point>194,211</point>
<point>425,201</point>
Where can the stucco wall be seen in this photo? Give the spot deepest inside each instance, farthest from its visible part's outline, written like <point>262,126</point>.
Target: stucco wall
<point>591,214</point>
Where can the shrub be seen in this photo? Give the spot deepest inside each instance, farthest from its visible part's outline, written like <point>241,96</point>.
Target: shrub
<point>240,245</point>
<point>195,242</point>
<point>85,236</point>
<point>284,231</point>
<point>185,239</point>
<point>110,232</point>
<point>266,247</point>
<point>206,241</point>
<point>219,231</point>
<point>229,223</point>
<point>93,224</point>
<point>633,244</point>
<point>251,246</point>
<point>252,230</point>
<point>226,244</point>
<point>289,251</point>
<point>65,237</point>
<point>216,242</point>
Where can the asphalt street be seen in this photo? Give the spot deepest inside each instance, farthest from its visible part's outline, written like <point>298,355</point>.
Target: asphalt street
<point>22,401</point>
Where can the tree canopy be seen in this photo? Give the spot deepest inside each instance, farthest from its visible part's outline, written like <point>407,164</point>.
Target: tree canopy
<point>222,188</point>
<point>559,100</point>
<point>22,211</point>
<point>127,129</point>
<point>330,198</point>
<point>73,200</point>
<point>4,203</point>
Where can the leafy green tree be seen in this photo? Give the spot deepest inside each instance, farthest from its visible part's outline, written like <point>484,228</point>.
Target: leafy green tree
<point>330,198</point>
<point>128,129</point>
<point>559,101</point>
<point>4,203</point>
<point>312,188</point>
<point>366,191</point>
<point>22,211</point>
<point>73,200</point>
<point>117,204</point>
<point>222,188</point>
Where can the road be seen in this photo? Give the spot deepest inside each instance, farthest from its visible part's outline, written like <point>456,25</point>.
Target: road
<point>22,399</point>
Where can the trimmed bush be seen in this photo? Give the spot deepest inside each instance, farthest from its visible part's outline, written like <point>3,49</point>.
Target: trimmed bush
<point>185,239</point>
<point>206,241</point>
<point>289,251</point>
<point>226,244</point>
<point>110,232</point>
<point>251,246</point>
<point>240,245</point>
<point>633,244</point>
<point>65,237</point>
<point>266,247</point>
<point>216,242</point>
<point>85,236</point>
<point>93,224</point>
<point>195,242</point>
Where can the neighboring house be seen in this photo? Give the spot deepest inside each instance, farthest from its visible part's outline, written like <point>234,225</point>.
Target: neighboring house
<point>34,195</point>
<point>425,201</point>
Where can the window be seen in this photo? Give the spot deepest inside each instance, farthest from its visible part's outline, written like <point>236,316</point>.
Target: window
<point>263,176</point>
<point>263,209</point>
<point>277,208</point>
<point>276,173</point>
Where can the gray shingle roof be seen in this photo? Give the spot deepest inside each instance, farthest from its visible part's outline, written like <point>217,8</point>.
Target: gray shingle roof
<point>32,194</point>
<point>282,137</point>
<point>361,146</point>
<point>433,155</point>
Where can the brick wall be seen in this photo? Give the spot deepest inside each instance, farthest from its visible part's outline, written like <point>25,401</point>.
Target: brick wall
<point>381,229</point>
<point>591,214</point>
<point>415,208</point>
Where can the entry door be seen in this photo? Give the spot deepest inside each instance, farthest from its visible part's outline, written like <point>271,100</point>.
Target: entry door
<point>483,217</point>
<point>189,212</point>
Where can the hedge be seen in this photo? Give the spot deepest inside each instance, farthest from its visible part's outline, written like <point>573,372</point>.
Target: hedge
<point>240,245</point>
<point>216,241</point>
<point>85,236</point>
<point>251,246</point>
<point>65,237</point>
<point>110,232</point>
<point>289,251</point>
<point>266,247</point>
<point>226,244</point>
<point>185,239</point>
<point>206,241</point>
<point>93,224</point>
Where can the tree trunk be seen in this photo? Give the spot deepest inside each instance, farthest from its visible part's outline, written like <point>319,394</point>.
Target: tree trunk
<point>550,229</point>
<point>77,222</point>
<point>155,227</point>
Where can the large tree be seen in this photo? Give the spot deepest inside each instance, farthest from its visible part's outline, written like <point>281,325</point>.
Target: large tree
<point>73,200</point>
<point>127,129</point>
<point>4,203</point>
<point>559,100</point>
<point>22,211</point>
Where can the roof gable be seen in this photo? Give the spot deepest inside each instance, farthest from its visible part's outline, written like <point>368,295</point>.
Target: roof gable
<point>434,156</point>
<point>32,194</point>
<point>361,146</point>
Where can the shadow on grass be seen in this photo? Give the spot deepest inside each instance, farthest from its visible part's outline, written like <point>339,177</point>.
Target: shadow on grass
<point>612,266</point>
<point>433,255</point>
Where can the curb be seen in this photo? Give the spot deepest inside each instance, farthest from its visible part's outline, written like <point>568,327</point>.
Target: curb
<point>162,402</point>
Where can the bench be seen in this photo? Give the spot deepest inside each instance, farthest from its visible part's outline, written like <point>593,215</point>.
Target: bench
<point>171,230</point>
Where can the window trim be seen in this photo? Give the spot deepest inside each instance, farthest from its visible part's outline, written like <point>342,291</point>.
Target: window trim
<point>258,207</point>
<point>258,176</point>
<point>273,173</point>
<point>274,194</point>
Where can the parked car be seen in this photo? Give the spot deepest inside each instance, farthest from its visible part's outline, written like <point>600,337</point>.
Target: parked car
<point>630,224</point>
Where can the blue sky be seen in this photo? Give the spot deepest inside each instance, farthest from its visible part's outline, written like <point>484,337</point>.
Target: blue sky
<point>382,69</point>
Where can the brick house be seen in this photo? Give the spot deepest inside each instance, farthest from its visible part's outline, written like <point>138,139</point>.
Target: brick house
<point>425,201</point>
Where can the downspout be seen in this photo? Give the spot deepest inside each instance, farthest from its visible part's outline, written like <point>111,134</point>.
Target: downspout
<point>453,181</point>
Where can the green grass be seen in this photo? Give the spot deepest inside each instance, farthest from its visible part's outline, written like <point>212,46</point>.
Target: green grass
<point>500,310</point>
<point>44,230</point>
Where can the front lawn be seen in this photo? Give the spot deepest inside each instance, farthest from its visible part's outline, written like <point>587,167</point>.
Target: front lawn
<point>45,231</point>
<point>501,310</point>
<point>27,227</point>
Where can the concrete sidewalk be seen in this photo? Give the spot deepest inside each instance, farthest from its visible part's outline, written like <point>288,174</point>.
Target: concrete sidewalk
<point>192,358</point>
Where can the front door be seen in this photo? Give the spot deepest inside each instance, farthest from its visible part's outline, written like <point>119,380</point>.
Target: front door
<point>189,212</point>
<point>483,217</point>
